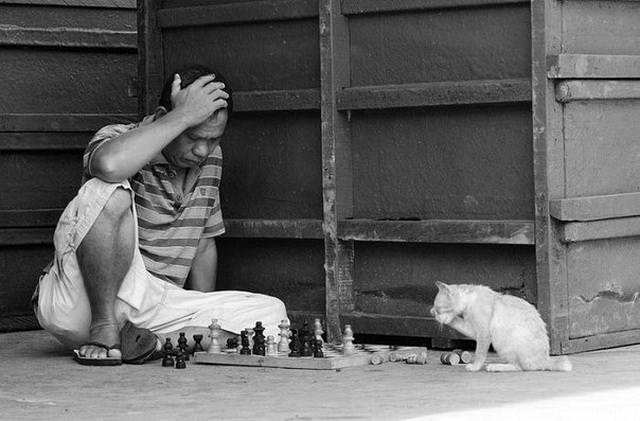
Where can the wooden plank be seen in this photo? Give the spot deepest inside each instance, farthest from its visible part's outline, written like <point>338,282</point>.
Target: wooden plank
<point>592,208</point>
<point>435,94</point>
<point>293,99</point>
<point>60,122</point>
<point>584,90</point>
<point>597,230</point>
<point>29,218</point>
<point>150,61</point>
<point>357,7</point>
<point>103,4</point>
<point>25,236</point>
<point>386,324</point>
<point>439,231</point>
<point>43,141</point>
<point>593,66</point>
<point>337,186</point>
<point>607,340</point>
<point>226,13</point>
<point>274,228</point>
<point>68,38</point>
<point>549,173</point>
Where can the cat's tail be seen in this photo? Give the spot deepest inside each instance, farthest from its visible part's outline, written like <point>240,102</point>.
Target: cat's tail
<point>561,363</point>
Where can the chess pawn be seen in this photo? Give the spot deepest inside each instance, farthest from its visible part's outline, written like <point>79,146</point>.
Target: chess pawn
<point>180,360</point>
<point>167,359</point>
<point>283,345</point>
<point>214,345</point>
<point>317,350</point>
<point>272,346</point>
<point>182,345</point>
<point>232,345</point>
<point>197,347</point>
<point>245,350</point>
<point>317,330</point>
<point>294,345</point>
<point>347,341</point>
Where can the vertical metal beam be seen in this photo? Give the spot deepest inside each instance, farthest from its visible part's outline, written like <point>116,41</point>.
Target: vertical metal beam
<point>549,175</point>
<point>150,63</point>
<point>336,164</point>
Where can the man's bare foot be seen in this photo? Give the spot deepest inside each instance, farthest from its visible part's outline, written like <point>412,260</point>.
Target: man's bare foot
<point>104,333</point>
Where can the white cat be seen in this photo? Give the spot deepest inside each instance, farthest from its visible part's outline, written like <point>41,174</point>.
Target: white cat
<point>511,324</point>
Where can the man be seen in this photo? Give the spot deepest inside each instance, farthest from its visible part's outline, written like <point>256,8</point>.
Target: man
<point>141,228</point>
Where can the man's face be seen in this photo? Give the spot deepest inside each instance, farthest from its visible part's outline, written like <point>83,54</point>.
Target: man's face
<point>192,147</point>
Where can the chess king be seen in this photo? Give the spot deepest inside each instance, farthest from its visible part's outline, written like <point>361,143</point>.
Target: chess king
<point>135,252</point>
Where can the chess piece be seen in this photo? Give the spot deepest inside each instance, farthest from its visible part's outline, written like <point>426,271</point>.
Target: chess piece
<point>180,360</point>
<point>294,345</point>
<point>182,345</point>
<point>449,358</point>
<point>317,330</point>
<point>245,343</point>
<point>214,334</point>
<point>317,350</point>
<point>421,358</point>
<point>232,345</point>
<point>272,346</point>
<point>378,358</point>
<point>197,347</point>
<point>167,359</point>
<point>250,334</point>
<point>283,344</point>
<point>465,356</point>
<point>347,341</point>
<point>259,347</point>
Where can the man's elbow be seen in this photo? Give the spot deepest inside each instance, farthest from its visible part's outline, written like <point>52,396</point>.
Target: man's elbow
<point>106,169</point>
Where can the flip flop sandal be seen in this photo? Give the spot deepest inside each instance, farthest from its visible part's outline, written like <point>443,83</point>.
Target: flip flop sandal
<point>138,344</point>
<point>81,359</point>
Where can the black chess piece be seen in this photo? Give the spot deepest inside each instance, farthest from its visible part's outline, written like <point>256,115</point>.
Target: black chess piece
<point>180,360</point>
<point>259,347</point>
<point>294,345</point>
<point>182,345</point>
<point>244,339</point>
<point>232,343</point>
<point>317,349</point>
<point>198,343</point>
<point>167,359</point>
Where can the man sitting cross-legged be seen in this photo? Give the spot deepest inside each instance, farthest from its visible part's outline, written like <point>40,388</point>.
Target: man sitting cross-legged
<point>135,248</point>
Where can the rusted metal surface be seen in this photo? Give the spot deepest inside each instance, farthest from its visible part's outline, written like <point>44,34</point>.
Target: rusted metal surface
<point>584,108</point>
<point>65,69</point>
<point>439,231</point>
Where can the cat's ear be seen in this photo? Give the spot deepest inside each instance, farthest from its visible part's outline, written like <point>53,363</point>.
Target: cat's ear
<point>443,287</point>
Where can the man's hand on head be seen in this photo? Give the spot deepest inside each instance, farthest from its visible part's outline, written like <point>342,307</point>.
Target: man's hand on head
<point>199,100</point>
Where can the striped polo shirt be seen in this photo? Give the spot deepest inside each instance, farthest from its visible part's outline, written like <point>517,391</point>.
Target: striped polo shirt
<point>170,223</point>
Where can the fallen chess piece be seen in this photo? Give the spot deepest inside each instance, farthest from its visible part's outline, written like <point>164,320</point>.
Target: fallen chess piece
<point>449,358</point>
<point>465,356</point>
<point>378,358</point>
<point>419,358</point>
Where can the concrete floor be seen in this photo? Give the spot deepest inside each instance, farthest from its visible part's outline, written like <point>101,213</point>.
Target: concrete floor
<point>40,381</point>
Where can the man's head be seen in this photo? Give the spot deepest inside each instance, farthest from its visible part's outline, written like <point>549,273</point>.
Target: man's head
<point>193,146</point>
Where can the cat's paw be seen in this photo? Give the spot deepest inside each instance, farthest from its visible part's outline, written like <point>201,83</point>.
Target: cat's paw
<point>473,367</point>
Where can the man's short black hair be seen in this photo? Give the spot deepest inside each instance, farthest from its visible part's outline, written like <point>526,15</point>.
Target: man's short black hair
<point>188,75</point>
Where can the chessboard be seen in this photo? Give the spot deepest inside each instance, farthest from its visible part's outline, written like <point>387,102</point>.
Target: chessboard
<point>333,359</point>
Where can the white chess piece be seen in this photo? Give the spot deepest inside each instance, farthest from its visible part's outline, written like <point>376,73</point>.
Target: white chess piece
<point>347,341</point>
<point>283,345</point>
<point>317,330</point>
<point>272,346</point>
<point>214,334</point>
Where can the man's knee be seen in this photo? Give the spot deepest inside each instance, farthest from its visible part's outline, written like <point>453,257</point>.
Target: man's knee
<point>118,205</point>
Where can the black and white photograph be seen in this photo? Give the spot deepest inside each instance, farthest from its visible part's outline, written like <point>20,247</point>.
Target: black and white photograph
<point>320,210</point>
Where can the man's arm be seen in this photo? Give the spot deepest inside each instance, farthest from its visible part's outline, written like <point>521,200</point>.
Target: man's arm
<point>204,267</point>
<point>122,157</point>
